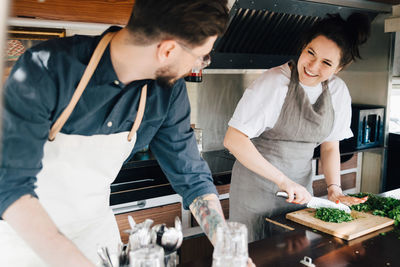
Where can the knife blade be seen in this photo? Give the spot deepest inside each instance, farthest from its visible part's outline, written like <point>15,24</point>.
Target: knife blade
<point>393,194</point>
<point>317,202</point>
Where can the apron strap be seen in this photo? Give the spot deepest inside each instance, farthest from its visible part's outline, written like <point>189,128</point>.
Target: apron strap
<point>140,112</point>
<point>94,60</point>
<point>325,86</point>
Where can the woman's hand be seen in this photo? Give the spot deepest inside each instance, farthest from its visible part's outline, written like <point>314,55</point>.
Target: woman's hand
<point>297,194</point>
<point>336,195</point>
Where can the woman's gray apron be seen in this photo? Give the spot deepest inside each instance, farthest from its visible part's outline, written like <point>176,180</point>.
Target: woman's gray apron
<point>289,146</point>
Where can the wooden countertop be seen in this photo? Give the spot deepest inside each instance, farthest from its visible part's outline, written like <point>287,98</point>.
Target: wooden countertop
<point>288,247</point>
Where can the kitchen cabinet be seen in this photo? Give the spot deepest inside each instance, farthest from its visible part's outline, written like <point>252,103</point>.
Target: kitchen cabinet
<point>163,214</point>
<point>99,11</point>
<point>350,175</point>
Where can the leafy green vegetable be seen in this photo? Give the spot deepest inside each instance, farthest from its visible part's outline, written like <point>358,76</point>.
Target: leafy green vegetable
<point>332,215</point>
<point>381,206</point>
<point>377,205</point>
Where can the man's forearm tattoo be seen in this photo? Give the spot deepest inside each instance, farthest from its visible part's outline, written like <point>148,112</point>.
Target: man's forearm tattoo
<point>208,213</point>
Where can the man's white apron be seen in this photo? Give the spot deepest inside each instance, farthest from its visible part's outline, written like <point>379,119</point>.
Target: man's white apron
<point>74,189</point>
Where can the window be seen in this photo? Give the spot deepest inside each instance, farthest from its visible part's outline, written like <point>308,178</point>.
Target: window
<point>394,112</point>
<point>394,123</point>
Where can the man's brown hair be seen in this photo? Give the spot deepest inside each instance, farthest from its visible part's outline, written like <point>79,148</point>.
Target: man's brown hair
<point>190,21</point>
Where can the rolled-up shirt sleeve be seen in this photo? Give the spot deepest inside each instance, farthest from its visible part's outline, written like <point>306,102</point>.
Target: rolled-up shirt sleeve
<point>25,126</point>
<point>175,149</point>
<point>261,103</point>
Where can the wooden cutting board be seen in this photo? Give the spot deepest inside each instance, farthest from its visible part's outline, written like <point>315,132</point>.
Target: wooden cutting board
<point>362,224</point>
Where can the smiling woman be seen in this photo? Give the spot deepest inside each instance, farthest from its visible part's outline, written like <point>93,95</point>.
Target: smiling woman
<point>284,115</point>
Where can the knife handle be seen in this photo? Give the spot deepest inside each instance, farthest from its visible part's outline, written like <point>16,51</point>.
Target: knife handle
<point>282,194</point>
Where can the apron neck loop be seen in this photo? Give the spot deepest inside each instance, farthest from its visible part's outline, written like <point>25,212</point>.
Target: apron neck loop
<point>294,75</point>
<point>91,67</point>
<point>325,85</point>
<point>94,61</point>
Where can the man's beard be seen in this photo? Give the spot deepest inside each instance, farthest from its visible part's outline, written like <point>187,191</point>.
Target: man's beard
<point>165,78</point>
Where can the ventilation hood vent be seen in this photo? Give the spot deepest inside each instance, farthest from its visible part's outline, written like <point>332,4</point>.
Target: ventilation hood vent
<point>264,33</point>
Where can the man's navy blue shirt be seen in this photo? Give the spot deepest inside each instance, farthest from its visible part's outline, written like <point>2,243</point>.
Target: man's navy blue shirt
<point>41,85</point>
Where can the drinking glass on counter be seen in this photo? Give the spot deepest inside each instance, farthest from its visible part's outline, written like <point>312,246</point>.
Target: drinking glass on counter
<point>199,138</point>
<point>171,259</point>
<point>231,245</point>
<point>148,256</point>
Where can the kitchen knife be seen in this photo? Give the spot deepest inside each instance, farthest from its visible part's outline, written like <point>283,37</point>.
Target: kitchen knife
<point>393,194</point>
<point>317,202</point>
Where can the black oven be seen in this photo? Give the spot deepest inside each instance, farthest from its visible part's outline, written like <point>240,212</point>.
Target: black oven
<point>141,178</point>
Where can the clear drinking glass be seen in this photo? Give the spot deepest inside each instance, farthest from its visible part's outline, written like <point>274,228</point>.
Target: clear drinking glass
<point>171,259</point>
<point>147,256</point>
<point>231,245</point>
<point>199,138</point>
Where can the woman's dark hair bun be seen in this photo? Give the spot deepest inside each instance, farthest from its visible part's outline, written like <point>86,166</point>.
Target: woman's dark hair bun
<point>359,26</point>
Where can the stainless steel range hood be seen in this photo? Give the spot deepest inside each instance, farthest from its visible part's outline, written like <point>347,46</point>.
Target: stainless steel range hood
<point>266,33</point>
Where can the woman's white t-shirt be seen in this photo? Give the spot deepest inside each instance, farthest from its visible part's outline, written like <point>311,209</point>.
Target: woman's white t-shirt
<point>260,106</point>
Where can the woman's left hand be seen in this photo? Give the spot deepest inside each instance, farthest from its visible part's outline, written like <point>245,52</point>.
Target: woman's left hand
<point>336,195</point>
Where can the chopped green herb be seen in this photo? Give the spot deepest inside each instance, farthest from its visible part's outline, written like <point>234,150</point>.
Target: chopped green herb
<point>381,206</point>
<point>332,215</point>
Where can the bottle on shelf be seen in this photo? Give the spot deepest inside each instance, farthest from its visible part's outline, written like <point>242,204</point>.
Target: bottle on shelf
<point>194,76</point>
